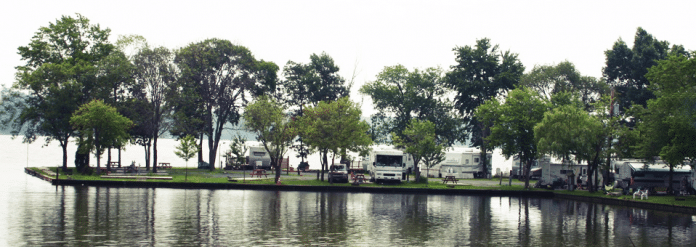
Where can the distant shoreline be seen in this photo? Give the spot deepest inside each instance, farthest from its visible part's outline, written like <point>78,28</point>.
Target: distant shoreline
<point>364,189</point>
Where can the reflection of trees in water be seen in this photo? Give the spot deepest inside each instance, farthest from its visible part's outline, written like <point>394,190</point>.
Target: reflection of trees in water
<point>127,216</point>
<point>322,218</point>
<point>415,223</point>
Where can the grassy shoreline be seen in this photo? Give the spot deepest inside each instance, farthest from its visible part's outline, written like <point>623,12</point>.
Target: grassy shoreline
<point>196,176</point>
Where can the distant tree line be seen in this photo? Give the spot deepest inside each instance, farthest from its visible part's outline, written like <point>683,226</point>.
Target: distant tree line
<point>642,107</point>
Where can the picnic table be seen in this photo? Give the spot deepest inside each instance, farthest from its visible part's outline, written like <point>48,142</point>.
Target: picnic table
<point>165,165</point>
<point>449,179</point>
<point>359,178</point>
<point>259,173</point>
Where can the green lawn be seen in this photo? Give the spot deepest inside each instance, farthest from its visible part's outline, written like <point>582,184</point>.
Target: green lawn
<point>219,176</point>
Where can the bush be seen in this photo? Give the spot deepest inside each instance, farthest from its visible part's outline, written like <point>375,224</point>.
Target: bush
<point>302,166</point>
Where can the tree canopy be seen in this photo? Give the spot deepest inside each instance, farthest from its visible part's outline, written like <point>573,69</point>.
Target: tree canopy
<point>482,73</point>
<point>401,95</point>
<point>224,76</point>
<point>100,126</point>
<point>420,141</point>
<point>626,67</point>
<point>666,127</point>
<point>334,127</point>
<point>513,124</point>
<point>273,128</point>
<point>60,74</point>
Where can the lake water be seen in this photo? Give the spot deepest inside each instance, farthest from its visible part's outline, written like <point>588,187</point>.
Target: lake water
<point>36,213</point>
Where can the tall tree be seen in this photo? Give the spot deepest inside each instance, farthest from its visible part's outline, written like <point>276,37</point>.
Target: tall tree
<point>419,140</point>
<point>401,95</point>
<point>482,73</point>
<point>334,127</point>
<point>548,80</point>
<point>308,84</point>
<point>100,126</point>
<point>666,127</point>
<point>225,75</point>
<point>115,79</point>
<point>273,128</point>
<point>58,77</point>
<point>513,124</point>
<point>569,132</point>
<point>155,72</point>
<point>626,67</point>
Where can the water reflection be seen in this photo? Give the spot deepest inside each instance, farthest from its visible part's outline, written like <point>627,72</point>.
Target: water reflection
<point>82,216</point>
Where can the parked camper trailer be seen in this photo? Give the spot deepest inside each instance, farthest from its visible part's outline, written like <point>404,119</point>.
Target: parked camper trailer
<point>535,172</point>
<point>386,163</point>
<point>463,163</point>
<point>636,173</point>
<point>259,158</point>
<point>556,172</point>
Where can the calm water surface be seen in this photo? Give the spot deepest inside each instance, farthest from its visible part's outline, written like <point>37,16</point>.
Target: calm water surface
<point>34,213</point>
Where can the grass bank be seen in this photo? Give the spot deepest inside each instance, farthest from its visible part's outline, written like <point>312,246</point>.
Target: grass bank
<point>195,178</point>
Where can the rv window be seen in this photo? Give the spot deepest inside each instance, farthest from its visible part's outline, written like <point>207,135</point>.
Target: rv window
<point>259,153</point>
<point>476,160</point>
<point>584,171</point>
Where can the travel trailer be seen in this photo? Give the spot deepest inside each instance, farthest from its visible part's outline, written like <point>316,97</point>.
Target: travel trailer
<point>463,163</point>
<point>556,172</point>
<point>535,172</point>
<point>387,164</point>
<point>258,158</point>
<point>634,173</point>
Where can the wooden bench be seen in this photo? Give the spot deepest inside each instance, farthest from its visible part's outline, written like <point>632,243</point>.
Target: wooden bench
<point>449,179</point>
<point>259,173</point>
<point>165,165</point>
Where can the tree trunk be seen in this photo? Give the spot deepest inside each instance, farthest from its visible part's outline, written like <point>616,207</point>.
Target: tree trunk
<point>324,162</point>
<point>277,170</point>
<point>154,155</point>
<point>119,157</point>
<point>415,169</point>
<point>590,172</point>
<point>527,168</point>
<point>484,147</point>
<point>671,174</point>
<point>200,150</point>
<point>64,146</point>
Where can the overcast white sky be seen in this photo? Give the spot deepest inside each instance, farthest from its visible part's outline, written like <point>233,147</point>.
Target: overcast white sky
<point>371,34</point>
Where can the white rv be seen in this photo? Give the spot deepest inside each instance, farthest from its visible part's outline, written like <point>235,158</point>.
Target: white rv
<point>386,163</point>
<point>258,158</point>
<point>650,174</point>
<point>556,171</point>
<point>535,170</point>
<point>462,163</point>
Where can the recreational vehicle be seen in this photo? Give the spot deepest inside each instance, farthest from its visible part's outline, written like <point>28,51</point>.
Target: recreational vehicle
<point>535,171</point>
<point>386,163</point>
<point>556,172</point>
<point>634,173</point>
<point>463,163</point>
<point>259,158</point>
